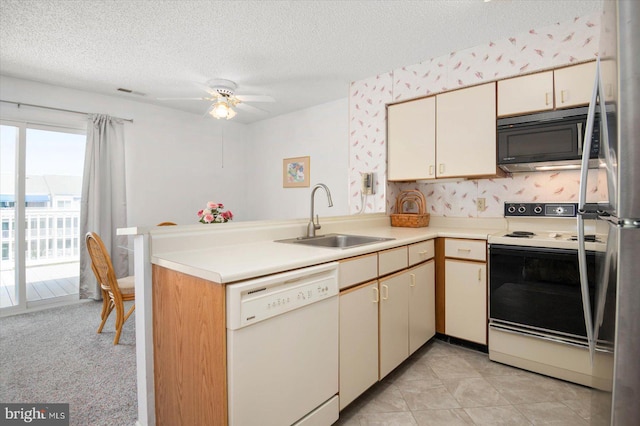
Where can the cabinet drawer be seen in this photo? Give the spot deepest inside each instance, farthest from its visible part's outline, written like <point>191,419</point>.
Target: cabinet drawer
<point>419,252</point>
<point>392,260</point>
<point>465,249</point>
<point>357,270</point>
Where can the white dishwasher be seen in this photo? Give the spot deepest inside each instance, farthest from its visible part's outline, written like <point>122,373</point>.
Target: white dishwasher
<point>282,349</point>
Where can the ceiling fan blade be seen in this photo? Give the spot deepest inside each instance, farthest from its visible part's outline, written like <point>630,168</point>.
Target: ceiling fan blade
<point>249,108</point>
<point>201,98</point>
<point>255,98</point>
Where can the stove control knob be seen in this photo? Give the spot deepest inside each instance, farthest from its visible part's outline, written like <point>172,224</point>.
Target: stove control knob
<point>522,209</point>
<point>511,209</point>
<point>537,209</point>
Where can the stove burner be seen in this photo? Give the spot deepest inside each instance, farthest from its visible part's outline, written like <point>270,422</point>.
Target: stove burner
<point>590,238</point>
<point>520,234</point>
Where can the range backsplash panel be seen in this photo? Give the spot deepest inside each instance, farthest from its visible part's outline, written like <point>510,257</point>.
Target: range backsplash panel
<point>535,50</point>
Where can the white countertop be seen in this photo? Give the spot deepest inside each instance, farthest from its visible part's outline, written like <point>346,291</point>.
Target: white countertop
<point>230,262</point>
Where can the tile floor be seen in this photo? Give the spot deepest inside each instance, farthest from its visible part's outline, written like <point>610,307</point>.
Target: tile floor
<point>445,384</point>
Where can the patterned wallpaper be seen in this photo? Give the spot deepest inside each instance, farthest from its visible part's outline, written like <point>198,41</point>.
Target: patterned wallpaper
<point>538,49</point>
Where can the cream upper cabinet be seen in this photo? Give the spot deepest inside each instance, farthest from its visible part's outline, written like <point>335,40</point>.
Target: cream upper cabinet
<point>574,85</point>
<point>466,132</point>
<point>561,88</point>
<point>411,133</point>
<point>358,341</point>
<point>528,93</point>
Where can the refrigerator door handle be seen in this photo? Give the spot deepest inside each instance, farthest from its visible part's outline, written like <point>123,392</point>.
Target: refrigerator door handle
<point>582,199</point>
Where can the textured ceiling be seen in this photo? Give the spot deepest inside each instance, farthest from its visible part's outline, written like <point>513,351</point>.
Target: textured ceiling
<point>302,53</point>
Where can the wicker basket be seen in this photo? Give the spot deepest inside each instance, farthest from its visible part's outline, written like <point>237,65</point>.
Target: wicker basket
<point>410,220</point>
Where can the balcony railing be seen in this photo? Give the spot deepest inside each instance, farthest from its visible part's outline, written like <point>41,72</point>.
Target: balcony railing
<point>52,236</point>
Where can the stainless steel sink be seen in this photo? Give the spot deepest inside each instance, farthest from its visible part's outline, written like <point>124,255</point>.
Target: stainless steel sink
<point>335,240</point>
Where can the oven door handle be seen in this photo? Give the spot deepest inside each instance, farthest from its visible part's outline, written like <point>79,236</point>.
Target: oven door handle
<point>582,199</point>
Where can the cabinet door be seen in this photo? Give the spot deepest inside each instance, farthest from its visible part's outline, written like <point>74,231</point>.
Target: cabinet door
<point>422,305</point>
<point>466,300</point>
<point>529,93</point>
<point>574,85</point>
<point>394,322</point>
<point>411,137</point>
<point>358,341</point>
<point>466,132</point>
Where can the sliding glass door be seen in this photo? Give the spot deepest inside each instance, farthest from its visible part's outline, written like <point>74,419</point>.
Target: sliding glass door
<point>41,185</point>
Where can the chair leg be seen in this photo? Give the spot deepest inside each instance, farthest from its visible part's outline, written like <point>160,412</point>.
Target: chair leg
<point>126,317</point>
<point>119,322</point>
<point>107,307</point>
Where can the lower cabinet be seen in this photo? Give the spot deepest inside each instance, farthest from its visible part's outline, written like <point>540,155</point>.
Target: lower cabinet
<point>407,314</point>
<point>358,340</point>
<point>384,321</point>
<point>422,319</point>
<point>394,322</point>
<point>466,300</point>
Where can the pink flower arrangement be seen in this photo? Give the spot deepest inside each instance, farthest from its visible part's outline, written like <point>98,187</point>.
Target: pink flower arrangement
<point>213,213</point>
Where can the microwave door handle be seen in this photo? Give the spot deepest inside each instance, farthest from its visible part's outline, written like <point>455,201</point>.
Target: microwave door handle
<point>579,126</point>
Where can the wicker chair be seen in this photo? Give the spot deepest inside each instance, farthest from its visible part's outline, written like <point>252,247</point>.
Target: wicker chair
<point>114,291</point>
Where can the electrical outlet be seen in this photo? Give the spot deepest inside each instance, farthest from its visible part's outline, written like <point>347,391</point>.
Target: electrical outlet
<point>481,204</point>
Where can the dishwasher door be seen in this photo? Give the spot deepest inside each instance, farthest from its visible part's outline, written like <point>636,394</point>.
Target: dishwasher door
<point>282,347</point>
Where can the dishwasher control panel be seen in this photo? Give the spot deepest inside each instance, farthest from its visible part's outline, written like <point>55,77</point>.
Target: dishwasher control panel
<point>257,300</point>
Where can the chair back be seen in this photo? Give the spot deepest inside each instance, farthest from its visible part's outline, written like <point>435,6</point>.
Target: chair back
<point>101,263</point>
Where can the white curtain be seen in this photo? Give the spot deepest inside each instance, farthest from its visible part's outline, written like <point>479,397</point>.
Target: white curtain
<point>104,205</point>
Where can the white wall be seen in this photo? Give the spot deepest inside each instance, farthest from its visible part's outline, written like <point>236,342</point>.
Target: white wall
<point>321,132</point>
<point>175,161</point>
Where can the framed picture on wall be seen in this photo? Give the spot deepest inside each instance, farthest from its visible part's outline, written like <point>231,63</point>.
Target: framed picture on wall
<point>295,172</point>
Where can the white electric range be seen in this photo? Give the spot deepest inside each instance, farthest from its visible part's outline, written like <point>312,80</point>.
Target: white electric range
<point>550,225</point>
<point>536,314</point>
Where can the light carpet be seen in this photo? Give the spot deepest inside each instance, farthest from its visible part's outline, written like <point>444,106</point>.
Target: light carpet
<point>56,356</point>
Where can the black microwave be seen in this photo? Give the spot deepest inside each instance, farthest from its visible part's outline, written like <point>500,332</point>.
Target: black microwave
<point>546,141</point>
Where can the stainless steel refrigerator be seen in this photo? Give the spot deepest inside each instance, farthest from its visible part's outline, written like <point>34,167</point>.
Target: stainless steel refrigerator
<point>613,322</point>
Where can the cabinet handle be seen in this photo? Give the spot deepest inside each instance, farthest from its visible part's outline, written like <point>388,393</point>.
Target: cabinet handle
<point>467,250</point>
<point>479,274</point>
<point>385,293</point>
<point>431,170</point>
<point>546,98</point>
<point>413,280</point>
<point>422,253</point>
<point>562,96</point>
<point>376,294</point>
<point>441,168</point>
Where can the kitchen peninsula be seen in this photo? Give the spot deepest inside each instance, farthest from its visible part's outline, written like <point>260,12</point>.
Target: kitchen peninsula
<point>188,269</point>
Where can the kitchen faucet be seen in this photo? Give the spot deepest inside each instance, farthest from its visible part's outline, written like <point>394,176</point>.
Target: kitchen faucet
<point>312,226</point>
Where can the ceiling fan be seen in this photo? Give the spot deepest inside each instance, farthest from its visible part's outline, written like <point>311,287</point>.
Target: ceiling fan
<point>224,99</point>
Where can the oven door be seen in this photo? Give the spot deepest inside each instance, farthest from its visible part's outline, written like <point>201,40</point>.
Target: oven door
<point>537,289</point>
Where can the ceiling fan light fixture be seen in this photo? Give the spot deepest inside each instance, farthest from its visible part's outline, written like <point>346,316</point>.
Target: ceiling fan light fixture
<point>222,109</point>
